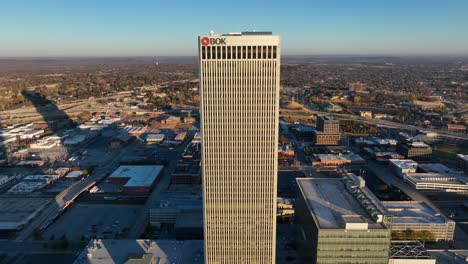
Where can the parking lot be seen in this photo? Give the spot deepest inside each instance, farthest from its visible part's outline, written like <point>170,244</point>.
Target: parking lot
<point>86,221</point>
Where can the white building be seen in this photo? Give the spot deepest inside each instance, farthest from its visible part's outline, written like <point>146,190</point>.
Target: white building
<point>155,138</point>
<point>436,182</point>
<point>47,143</point>
<point>239,88</point>
<point>403,166</point>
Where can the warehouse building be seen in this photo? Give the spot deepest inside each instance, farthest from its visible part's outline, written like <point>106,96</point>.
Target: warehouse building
<point>155,138</point>
<point>137,180</point>
<point>17,212</point>
<point>26,187</point>
<point>340,223</point>
<point>424,222</point>
<point>121,140</point>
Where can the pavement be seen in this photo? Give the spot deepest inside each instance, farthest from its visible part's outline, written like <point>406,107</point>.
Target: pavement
<point>143,219</point>
<point>63,199</point>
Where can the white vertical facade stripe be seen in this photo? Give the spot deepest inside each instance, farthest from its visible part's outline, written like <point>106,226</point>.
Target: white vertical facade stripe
<point>239,89</point>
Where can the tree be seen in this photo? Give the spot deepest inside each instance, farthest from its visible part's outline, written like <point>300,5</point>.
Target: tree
<point>410,234</point>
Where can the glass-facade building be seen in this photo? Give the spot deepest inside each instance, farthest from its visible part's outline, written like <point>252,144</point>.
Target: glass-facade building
<point>338,225</point>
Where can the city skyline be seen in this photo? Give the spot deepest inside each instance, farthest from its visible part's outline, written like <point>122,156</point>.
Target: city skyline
<point>54,28</point>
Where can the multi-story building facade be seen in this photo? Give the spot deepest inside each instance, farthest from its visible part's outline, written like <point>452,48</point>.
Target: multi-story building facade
<point>423,221</point>
<point>239,84</point>
<point>324,139</point>
<point>328,124</point>
<point>340,223</point>
<point>328,131</point>
<point>415,151</point>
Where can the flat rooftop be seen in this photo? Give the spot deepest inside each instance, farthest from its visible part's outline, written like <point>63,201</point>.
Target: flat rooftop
<point>15,212</point>
<point>413,212</point>
<point>332,205</point>
<point>189,219</point>
<point>178,200</point>
<point>432,177</point>
<point>404,163</point>
<point>161,251</point>
<point>438,168</point>
<point>463,157</point>
<point>418,144</point>
<point>138,175</point>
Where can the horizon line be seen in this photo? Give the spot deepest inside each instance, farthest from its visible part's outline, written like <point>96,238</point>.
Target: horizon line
<point>194,56</point>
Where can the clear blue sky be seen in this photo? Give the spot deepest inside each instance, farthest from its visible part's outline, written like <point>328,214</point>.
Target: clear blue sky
<point>170,27</point>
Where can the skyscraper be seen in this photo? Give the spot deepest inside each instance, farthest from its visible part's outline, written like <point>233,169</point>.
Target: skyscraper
<point>239,84</point>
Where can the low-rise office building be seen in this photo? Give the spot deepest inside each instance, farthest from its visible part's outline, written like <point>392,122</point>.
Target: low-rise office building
<point>401,167</point>
<point>430,177</point>
<point>328,124</point>
<point>169,205</point>
<point>415,150</point>
<point>423,222</point>
<point>340,224</point>
<point>437,182</point>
